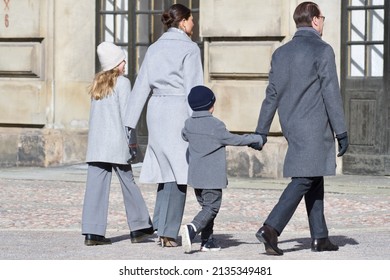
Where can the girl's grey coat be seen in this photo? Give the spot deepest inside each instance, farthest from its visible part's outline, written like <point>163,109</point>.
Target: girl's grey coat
<point>107,140</point>
<point>207,137</point>
<point>303,87</point>
<point>171,67</point>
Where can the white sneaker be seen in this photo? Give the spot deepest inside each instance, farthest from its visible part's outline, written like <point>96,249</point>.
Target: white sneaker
<point>209,245</point>
<point>188,233</point>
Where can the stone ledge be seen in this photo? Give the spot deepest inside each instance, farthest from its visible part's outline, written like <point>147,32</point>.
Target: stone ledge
<point>267,163</point>
<point>41,147</point>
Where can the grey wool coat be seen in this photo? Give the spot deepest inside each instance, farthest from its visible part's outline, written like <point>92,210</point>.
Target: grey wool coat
<point>208,137</point>
<point>171,67</point>
<point>304,89</point>
<point>107,140</point>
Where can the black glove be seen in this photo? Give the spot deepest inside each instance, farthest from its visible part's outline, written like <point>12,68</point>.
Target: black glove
<point>342,139</point>
<point>133,149</point>
<point>256,146</point>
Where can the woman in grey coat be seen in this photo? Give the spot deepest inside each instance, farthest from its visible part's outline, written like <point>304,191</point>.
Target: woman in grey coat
<point>108,150</point>
<point>171,67</point>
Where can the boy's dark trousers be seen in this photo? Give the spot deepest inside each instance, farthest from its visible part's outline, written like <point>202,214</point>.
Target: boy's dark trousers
<point>210,200</point>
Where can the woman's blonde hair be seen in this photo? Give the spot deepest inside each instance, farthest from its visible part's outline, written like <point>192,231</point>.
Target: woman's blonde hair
<point>103,84</point>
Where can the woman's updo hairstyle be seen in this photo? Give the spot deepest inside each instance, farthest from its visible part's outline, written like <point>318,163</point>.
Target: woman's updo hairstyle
<point>175,15</point>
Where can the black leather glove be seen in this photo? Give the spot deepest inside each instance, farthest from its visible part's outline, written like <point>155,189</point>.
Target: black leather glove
<point>256,146</point>
<point>136,154</point>
<point>342,139</point>
<point>133,149</point>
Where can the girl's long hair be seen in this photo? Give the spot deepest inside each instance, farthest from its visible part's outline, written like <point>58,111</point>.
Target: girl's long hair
<point>103,84</point>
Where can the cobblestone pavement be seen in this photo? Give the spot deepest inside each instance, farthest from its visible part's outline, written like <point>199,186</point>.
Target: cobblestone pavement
<point>40,216</point>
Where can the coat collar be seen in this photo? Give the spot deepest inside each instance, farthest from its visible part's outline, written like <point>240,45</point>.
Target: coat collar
<point>201,114</point>
<point>175,34</point>
<point>307,31</point>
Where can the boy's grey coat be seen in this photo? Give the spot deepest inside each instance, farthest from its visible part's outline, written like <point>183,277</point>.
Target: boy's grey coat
<point>171,67</point>
<point>107,140</point>
<point>207,137</point>
<point>303,87</point>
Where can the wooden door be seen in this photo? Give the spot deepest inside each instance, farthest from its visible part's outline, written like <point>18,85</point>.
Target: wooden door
<point>365,85</point>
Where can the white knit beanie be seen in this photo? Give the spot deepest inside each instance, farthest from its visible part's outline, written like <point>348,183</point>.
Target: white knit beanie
<point>110,55</point>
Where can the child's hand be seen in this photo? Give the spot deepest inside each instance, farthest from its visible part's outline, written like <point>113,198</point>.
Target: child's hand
<point>263,136</point>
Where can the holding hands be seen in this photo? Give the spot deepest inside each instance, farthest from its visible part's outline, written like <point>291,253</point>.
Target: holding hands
<point>135,153</point>
<point>259,145</point>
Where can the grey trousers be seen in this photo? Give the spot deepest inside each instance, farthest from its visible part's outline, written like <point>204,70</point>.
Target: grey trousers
<point>169,209</point>
<point>312,188</point>
<point>210,200</point>
<point>96,199</point>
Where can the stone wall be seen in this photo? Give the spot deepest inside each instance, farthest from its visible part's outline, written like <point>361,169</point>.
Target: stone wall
<point>47,60</point>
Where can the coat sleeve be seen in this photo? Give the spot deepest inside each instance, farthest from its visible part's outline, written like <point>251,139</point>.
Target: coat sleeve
<point>184,134</point>
<point>269,106</point>
<point>124,89</point>
<point>331,90</point>
<point>226,138</point>
<point>138,96</point>
<point>193,71</point>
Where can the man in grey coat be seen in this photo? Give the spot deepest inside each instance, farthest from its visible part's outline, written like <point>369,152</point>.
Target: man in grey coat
<point>303,87</point>
<point>207,137</point>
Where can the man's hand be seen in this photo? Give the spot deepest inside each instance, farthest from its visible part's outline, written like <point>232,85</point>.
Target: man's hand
<point>342,139</point>
<point>259,146</point>
<point>256,146</point>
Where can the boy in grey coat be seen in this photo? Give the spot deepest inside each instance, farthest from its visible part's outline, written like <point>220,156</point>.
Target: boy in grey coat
<point>207,137</point>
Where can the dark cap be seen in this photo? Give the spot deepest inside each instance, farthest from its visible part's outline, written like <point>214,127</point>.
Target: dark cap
<point>201,98</point>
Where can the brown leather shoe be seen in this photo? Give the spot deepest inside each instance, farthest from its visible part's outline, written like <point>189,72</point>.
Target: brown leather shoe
<point>168,242</point>
<point>323,244</point>
<point>269,237</point>
<point>93,239</point>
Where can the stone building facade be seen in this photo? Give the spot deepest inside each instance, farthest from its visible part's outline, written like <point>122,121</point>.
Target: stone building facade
<point>48,59</point>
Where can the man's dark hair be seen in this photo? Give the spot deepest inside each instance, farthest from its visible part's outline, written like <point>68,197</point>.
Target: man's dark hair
<point>304,14</point>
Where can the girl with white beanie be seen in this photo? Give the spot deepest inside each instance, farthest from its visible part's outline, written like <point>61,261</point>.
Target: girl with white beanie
<point>108,149</point>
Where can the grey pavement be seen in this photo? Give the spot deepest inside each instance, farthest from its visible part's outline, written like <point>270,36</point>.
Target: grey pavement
<point>40,219</point>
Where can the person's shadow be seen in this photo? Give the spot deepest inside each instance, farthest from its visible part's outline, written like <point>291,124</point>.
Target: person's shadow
<point>124,237</point>
<point>226,240</point>
<point>305,243</point>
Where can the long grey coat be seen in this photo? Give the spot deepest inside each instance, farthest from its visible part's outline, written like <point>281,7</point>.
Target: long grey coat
<point>207,137</point>
<point>303,87</point>
<point>171,67</point>
<point>107,140</point>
